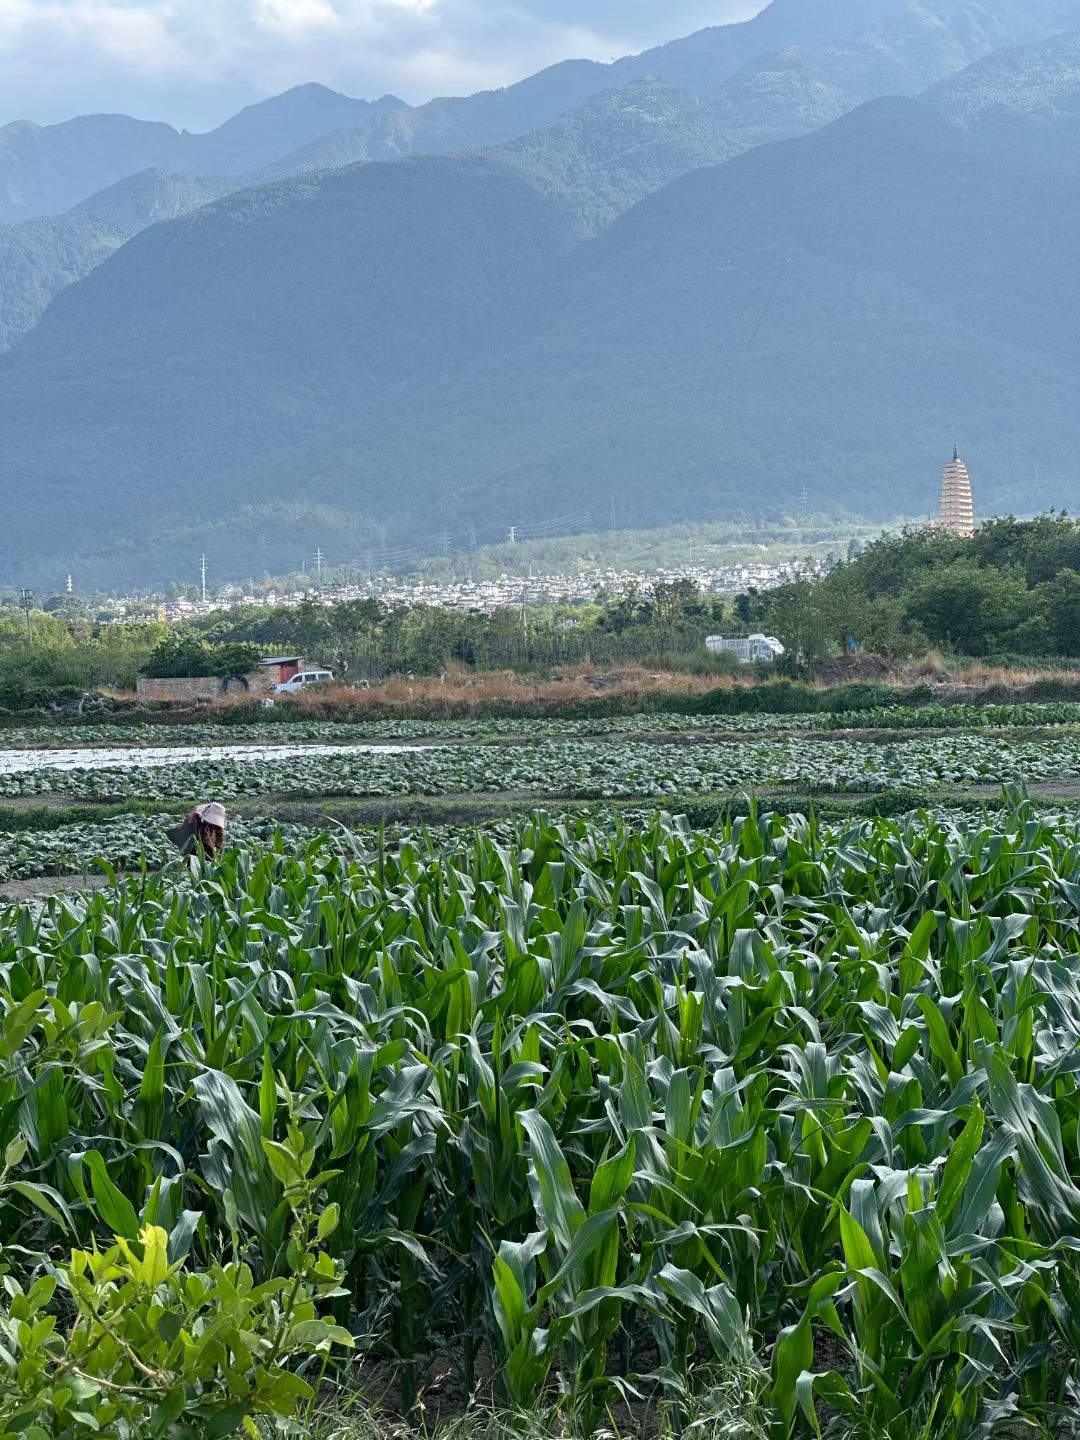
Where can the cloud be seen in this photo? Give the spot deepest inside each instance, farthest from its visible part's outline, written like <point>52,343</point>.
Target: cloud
<point>194,62</point>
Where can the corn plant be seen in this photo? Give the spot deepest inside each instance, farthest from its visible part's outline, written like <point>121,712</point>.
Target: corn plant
<point>599,1109</point>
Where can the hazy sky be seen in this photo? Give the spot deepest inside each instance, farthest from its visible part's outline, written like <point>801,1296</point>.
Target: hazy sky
<point>194,62</point>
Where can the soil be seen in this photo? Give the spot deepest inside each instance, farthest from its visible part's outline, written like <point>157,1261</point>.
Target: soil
<point>44,802</point>
<point>470,809</point>
<point>42,885</point>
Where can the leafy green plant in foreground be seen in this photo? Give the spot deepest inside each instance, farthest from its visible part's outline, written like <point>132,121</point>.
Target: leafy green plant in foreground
<point>125,1341</point>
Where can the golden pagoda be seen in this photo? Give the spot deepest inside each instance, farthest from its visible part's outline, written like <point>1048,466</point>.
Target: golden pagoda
<point>957,511</point>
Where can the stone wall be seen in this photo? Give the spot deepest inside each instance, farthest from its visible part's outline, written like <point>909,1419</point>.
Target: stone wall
<point>185,689</point>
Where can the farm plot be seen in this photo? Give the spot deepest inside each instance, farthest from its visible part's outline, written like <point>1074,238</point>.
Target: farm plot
<point>14,762</point>
<point>581,769</point>
<point>588,1104</point>
<point>380,731</point>
<point>333,733</point>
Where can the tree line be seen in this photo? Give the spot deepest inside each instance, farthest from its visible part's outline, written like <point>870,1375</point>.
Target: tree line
<point>362,639</point>
<point>70,653</point>
<point>1010,591</point>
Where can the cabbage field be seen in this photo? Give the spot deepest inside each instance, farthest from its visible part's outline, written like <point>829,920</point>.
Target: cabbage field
<point>594,1115</point>
<point>584,768</point>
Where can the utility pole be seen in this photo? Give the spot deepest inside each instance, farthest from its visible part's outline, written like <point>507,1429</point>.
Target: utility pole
<point>513,534</point>
<point>203,567</point>
<point>318,563</point>
<point>70,586</point>
<point>26,607</point>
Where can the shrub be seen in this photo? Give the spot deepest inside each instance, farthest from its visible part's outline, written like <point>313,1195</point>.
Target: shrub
<point>158,1347</point>
<point>183,654</point>
<point>858,696</point>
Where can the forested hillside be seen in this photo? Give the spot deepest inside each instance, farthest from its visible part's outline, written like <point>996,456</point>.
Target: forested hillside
<point>1023,98</point>
<point>628,142</point>
<point>623,142</point>
<point>41,257</point>
<point>45,170</point>
<point>629,137</point>
<point>420,345</point>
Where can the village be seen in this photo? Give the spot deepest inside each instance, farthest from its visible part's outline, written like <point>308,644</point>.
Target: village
<point>505,593</point>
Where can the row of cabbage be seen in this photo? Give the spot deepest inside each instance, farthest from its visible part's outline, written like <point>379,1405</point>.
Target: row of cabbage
<point>405,730</point>
<point>585,1109</point>
<point>951,717</point>
<point>584,769</point>
<point>894,717</point>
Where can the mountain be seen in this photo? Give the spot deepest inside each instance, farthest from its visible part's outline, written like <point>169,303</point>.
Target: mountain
<point>620,146</point>
<point>707,98</point>
<point>1023,98</point>
<point>697,63</point>
<point>612,150</point>
<point>47,169</point>
<point>233,331</point>
<point>41,257</point>
<point>925,42</point>
<point>818,313</point>
<point>605,156</point>
<point>421,347</point>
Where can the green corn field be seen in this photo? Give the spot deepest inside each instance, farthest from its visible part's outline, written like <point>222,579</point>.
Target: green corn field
<point>599,1115</point>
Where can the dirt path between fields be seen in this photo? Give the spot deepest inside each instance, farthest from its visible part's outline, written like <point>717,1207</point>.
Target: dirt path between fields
<point>40,886</point>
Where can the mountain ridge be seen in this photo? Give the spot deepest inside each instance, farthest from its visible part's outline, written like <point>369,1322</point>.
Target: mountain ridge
<point>626,141</point>
<point>701,60</point>
<point>48,169</point>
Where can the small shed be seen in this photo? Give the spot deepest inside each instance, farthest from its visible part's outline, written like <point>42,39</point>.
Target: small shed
<point>286,666</point>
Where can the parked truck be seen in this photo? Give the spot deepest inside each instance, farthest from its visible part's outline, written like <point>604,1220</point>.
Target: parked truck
<point>746,648</point>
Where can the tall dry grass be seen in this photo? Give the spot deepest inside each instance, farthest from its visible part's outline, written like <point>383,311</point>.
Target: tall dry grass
<point>461,693</point>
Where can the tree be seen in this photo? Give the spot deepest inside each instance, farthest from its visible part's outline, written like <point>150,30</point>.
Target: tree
<point>750,609</point>
<point>677,600</point>
<point>1061,599</point>
<point>184,653</point>
<point>797,616</point>
<point>878,624</point>
<point>967,609</point>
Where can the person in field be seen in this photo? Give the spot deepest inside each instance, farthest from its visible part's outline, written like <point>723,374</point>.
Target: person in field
<point>206,827</point>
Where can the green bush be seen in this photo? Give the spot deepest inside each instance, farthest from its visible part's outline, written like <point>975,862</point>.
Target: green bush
<point>184,654</point>
<point>779,697</point>
<point>1052,689</point>
<point>858,696</point>
<point>138,1342</point>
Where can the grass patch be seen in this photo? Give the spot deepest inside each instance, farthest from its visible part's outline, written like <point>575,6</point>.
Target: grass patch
<point>60,811</point>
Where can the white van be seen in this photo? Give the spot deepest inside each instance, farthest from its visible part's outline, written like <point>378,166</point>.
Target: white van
<point>302,680</point>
